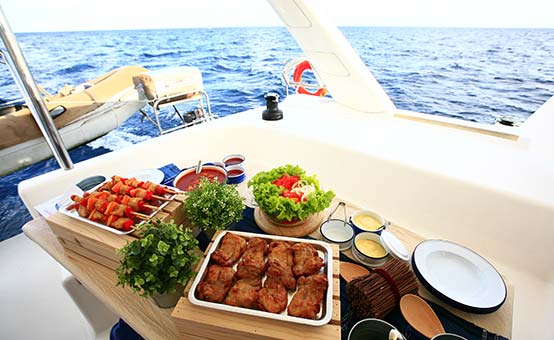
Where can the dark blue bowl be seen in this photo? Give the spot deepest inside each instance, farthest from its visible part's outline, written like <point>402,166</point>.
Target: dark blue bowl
<point>237,178</point>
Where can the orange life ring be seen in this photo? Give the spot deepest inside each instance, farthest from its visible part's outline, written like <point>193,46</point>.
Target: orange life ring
<point>297,77</point>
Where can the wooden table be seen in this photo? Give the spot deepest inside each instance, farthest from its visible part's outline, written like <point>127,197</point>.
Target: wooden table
<point>141,314</point>
<point>499,322</point>
<point>155,323</point>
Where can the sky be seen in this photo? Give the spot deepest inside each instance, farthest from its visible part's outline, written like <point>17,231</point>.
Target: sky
<point>83,15</point>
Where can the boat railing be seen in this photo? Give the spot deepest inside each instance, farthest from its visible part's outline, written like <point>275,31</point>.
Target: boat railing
<point>22,75</point>
<point>200,114</point>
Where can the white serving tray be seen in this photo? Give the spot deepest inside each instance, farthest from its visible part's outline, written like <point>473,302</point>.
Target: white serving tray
<point>324,250</point>
<point>74,214</point>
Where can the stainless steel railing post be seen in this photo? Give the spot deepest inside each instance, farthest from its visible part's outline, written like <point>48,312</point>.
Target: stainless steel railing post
<point>26,83</point>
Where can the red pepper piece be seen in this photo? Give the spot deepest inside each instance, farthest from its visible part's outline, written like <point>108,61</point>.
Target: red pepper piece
<point>286,181</point>
<point>292,195</point>
<point>148,196</point>
<point>127,225</point>
<point>129,212</point>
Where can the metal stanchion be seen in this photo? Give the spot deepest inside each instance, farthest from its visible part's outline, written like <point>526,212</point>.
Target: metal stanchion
<point>24,79</point>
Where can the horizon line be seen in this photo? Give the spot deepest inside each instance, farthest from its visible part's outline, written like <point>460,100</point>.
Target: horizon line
<point>281,26</point>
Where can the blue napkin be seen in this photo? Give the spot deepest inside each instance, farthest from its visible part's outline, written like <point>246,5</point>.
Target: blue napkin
<point>170,172</point>
<point>122,331</point>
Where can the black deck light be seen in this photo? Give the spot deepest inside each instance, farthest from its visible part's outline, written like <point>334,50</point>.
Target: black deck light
<point>272,103</point>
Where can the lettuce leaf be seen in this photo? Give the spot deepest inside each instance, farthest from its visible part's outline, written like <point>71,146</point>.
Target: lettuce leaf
<point>268,195</point>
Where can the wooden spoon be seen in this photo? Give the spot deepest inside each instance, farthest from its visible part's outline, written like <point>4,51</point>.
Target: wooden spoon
<point>350,271</point>
<point>420,315</point>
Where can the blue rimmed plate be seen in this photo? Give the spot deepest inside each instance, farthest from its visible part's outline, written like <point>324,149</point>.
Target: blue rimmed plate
<point>459,276</point>
<point>150,175</point>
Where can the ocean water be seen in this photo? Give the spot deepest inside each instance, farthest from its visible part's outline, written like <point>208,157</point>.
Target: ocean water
<point>471,74</point>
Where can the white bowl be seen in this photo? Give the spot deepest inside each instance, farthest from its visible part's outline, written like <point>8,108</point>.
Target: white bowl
<point>337,232</point>
<point>366,259</point>
<point>376,216</point>
<point>235,155</point>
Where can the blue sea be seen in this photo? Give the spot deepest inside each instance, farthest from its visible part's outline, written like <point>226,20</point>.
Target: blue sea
<point>471,74</point>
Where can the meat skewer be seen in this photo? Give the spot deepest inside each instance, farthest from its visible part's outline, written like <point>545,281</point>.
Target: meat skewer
<point>117,222</point>
<point>111,202</point>
<point>101,206</point>
<point>105,195</point>
<point>135,183</point>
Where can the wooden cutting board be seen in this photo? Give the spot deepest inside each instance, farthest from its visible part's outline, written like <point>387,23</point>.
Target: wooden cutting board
<point>307,227</point>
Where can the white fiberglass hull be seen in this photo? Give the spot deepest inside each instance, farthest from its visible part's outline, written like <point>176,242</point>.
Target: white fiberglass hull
<point>95,124</point>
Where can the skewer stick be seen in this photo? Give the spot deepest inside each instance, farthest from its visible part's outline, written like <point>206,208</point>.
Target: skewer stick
<point>160,198</point>
<point>173,191</point>
<point>153,207</point>
<point>141,216</point>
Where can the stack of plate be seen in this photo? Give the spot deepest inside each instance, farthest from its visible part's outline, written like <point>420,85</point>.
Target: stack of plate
<point>459,276</point>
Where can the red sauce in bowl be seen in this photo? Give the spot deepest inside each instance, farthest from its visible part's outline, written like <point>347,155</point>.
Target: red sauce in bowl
<point>189,181</point>
<point>233,161</point>
<point>234,172</point>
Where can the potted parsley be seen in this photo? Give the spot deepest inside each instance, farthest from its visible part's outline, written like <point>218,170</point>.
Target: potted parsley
<point>160,263</point>
<point>213,206</point>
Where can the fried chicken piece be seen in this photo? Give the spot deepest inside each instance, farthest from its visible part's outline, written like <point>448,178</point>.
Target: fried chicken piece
<point>252,263</point>
<point>306,303</point>
<point>216,283</point>
<point>280,259</point>
<point>281,251</point>
<point>230,250</point>
<point>244,293</point>
<point>273,297</point>
<point>306,260</point>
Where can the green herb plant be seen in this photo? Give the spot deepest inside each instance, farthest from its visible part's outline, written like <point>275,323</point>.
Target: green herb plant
<point>213,206</point>
<point>159,261</point>
<point>268,195</point>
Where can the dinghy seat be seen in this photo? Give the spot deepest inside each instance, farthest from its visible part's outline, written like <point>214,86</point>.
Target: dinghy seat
<point>19,126</point>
